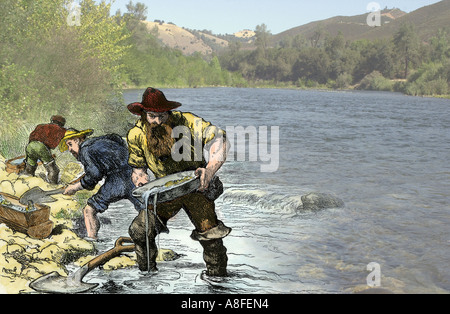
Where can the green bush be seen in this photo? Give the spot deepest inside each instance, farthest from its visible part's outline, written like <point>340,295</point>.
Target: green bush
<point>430,79</point>
<point>375,81</point>
<point>343,81</point>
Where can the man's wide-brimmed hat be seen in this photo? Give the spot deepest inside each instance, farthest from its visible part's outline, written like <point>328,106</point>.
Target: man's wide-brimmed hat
<point>72,133</point>
<point>153,100</point>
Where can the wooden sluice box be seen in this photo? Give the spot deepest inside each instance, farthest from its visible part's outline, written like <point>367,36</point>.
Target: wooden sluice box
<point>33,220</point>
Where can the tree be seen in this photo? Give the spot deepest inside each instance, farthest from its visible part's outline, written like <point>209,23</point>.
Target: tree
<point>316,36</point>
<point>262,37</point>
<point>440,46</point>
<point>407,45</point>
<point>313,64</point>
<point>138,10</point>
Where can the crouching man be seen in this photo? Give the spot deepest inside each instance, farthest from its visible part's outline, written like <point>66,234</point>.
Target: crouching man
<point>151,146</point>
<point>104,157</point>
<point>42,140</point>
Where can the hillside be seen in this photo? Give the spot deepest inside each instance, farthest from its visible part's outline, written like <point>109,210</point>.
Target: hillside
<point>427,21</point>
<point>352,27</point>
<point>189,42</point>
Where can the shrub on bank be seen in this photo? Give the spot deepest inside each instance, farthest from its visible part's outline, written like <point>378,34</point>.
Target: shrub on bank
<point>431,79</point>
<point>375,81</point>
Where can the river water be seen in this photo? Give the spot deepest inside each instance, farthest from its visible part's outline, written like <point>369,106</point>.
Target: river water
<point>384,154</point>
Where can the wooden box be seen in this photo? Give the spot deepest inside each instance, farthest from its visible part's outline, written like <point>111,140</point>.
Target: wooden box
<point>36,223</point>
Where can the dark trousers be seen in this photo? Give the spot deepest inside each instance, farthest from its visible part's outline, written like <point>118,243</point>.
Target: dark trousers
<point>201,212</point>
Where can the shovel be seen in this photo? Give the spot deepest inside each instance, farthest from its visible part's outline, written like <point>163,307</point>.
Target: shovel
<point>55,283</point>
<point>39,196</point>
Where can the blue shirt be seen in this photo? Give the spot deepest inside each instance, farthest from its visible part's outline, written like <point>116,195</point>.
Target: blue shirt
<point>101,157</point>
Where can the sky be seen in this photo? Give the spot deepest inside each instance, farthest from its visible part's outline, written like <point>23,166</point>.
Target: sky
<point>230,16</point>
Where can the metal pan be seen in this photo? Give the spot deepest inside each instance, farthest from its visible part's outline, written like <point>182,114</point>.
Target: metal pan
<point>169,193</point>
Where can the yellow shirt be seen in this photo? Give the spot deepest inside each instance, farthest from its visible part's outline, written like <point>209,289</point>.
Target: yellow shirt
<point>200,132</point>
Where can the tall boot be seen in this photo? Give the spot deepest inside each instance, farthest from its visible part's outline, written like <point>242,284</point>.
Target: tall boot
<point>29,170</point>
<point>214,252</point>
<point>138,234</point>
<point>52,172</point>
<point>215,257</point>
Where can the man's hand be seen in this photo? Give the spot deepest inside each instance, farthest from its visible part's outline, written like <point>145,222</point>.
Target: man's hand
<point>73,188</point>
<point>206,176</point>
<point>139,177</point>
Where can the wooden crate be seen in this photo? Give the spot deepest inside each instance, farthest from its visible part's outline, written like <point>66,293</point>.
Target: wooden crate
<point>17,165</point>
<point>13,165</point>
<point>35,223</point>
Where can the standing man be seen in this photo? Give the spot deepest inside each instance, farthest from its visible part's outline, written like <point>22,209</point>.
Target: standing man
<point>151,146</point>
<point>103,157</point>
<point>42,140</point>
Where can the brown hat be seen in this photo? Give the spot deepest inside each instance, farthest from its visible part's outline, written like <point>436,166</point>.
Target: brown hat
<point>60,119</point>
<point>153,100</point>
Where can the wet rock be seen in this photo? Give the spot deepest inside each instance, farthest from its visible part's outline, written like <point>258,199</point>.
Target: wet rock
<point>119,262</point>
<point>167,255</point>
<point>318,201</point>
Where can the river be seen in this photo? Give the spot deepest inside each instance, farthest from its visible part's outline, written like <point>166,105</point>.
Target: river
<point>384,154</point>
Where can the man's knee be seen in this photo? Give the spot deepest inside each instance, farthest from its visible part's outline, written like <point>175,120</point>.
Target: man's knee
<point>137,228</point>
<point>89,211</point>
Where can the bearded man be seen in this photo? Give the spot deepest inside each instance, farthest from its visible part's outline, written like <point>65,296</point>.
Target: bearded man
<point>152,146</point>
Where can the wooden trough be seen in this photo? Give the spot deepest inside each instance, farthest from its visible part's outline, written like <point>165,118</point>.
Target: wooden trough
<point>34,221</point>
<point>17,165</point>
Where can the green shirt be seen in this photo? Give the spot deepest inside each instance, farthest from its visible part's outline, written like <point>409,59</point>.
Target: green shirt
<point>197,134</point>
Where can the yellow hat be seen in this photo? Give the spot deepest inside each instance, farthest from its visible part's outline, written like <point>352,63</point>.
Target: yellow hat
<point>72,133</point>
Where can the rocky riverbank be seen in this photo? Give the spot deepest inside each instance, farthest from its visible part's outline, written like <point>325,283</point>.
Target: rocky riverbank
<point>24,259</point>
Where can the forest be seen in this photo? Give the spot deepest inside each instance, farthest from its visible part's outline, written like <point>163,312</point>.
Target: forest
<point>49,66</point>
<point>402,63</point>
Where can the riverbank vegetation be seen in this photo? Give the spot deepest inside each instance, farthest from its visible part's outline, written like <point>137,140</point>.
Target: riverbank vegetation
<point>48,66</point>
<point>149,63</point>
<point>402,63</point>
<point>51,65</point>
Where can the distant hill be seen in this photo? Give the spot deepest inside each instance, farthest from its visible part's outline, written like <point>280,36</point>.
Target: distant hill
<point>427,21</point>
<point>351,27</point>
<point>246,34</point>
<point>188,42</point>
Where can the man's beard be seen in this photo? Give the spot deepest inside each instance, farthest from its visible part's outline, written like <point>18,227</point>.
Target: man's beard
<point>159,139</point>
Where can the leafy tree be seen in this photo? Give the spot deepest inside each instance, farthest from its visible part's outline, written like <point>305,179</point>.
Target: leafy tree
<point>440,46</point>
<point>262,37</point>
<point>316,37</point>
<point>138,10</point>
<point>313,64</point>
<point>406,45</point>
